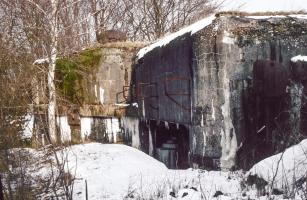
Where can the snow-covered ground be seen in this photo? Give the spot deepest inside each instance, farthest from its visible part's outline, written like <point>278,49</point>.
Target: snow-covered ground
<point>109,169</point>
<point>285,169</point>
<point>114,171</point>
<point>117,171</point>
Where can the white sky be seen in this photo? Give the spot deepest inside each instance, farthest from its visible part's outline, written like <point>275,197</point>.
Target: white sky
<point>264,5</point>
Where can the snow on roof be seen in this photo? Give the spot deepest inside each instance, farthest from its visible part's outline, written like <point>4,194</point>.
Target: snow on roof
<point>167,39</point>
<point>264,5</point>
<point>201,25</point>
<point>299,58</point>
<point>278,15</point>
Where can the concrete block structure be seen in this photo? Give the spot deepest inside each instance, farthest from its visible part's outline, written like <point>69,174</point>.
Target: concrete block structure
<point>222,93</point>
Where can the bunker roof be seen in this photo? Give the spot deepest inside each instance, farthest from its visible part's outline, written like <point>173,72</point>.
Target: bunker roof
<point>253,6</point>
<point>203,23</point>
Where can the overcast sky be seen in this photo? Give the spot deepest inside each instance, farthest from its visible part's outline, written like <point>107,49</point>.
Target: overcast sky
<point>264,5</point>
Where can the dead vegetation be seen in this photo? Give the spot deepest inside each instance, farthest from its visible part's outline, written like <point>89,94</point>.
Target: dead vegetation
<point>27,178</point>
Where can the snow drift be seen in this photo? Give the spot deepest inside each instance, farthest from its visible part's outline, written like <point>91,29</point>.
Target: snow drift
<point>285,169</point>
<point>118,172</point>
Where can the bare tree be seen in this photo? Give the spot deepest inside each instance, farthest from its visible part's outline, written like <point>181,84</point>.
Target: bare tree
<point>151,19</point>
<point>14,94</point>
<point>52,55</point>
<point>107,14</point>
<point>47,28</point>
<point>145,19</point>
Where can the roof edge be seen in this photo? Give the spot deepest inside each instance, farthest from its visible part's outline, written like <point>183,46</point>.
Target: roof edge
<point>203,23</point>
<point>246,14</point>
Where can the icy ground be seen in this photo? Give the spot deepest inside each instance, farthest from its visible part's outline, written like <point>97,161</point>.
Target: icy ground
<point>114,171</point>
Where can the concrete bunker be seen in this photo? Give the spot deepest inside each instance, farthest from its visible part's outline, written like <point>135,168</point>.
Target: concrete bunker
<point>90,86</point>
<point>230,82</point>
<point>222,93</point>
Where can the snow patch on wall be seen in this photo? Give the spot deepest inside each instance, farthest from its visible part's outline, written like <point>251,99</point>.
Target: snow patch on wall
<point>64,128</point>
<point>299,58</point>
<point>86,127</point>
<point>101,95</point>
<point>194,142</point>
<point>131,129</point>
<point>28,126</point>
<point>213,110</point>
<point>295,91</point>
<point>95,88</point>
<point>228,38</point>
<point>202,120</point>
<point>205,142</point>
<point>189,29</point>
<point>143,108</point>
<point>166,125</point>
<point>112,128</point>
<point>150,143</point>
<point>228,140</point>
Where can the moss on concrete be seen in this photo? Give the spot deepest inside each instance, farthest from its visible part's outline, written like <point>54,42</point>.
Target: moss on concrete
<point>89,58</point>
<point>72,75</point>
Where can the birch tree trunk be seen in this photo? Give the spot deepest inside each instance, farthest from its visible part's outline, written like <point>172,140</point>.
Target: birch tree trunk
<point>51,74</point>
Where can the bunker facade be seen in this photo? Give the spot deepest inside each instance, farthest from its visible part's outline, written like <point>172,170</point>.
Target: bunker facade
<point>225,92</point>
<point>91,94</point>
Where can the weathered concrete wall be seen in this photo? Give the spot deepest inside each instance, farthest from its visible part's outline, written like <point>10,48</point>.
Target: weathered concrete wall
<point>93,87</point>
<point>268,46</point>
<point>131,131</point>
<point>110,86</point>
<point>240,101</point>
<point>105,130</point>
<point>241,87</point>
<point>113,74</point>
<point>163,81</point>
